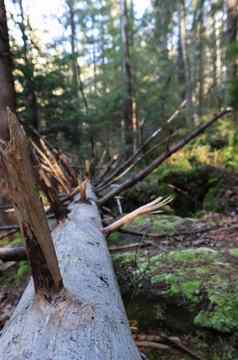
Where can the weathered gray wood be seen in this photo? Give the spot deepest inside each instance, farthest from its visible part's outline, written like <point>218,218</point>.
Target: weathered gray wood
<point>86,321</point>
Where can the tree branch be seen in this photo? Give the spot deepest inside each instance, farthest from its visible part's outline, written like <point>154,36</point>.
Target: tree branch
<point>164,156</point>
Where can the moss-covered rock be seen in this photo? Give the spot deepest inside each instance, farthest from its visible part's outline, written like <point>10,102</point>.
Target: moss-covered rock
<point>201,281</point>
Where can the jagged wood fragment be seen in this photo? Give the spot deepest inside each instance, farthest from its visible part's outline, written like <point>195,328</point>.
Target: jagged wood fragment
<point>149,208</point>
<point>24,192</point>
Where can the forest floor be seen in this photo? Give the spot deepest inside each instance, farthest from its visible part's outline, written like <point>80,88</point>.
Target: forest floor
<point>139,269</point>
<point>184,284</point>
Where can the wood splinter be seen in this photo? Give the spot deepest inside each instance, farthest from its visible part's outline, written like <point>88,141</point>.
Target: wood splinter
<point>147,209</point>
<point>25,194</point>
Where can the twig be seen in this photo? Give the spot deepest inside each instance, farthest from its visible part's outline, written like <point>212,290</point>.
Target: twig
<point>135,246</point>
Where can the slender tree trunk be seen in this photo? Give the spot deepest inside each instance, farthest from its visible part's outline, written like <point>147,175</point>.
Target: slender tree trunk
<point>201,61</point>
<point>186,60</point>
<point>232,31</point>
<point>29,74</point>
<point>128,89</point>
<point>7,99</point>
<point>214,49</point>
<point>76,69</point>
<point>7,91</point>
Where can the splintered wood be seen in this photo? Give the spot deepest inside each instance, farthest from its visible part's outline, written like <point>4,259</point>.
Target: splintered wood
<point>26,197</point>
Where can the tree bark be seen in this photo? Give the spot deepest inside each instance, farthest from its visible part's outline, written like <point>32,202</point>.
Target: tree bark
<point>85,321</point>
<point>24,192</point>
<point>7,99</point>
<point>232,31</point>
<point>7,91</point>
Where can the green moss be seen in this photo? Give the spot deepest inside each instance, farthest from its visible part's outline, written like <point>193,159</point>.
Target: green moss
<point>114,237</point>
<point>233,252</point>
<point>23,270</point>
<point>18,240</point>
<point>202,278</point>
<point>223,315</point>
<point>164,224</point>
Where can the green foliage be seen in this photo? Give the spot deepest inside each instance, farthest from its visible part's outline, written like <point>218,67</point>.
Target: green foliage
<point>23,270</point>
<point>18,240</point>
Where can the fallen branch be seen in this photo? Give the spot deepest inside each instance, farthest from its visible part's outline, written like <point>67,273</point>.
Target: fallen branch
<point>13,254</point>
<point>128,163</point>
<point>158,161</point>
<point>164,341</point>
<point>135,246</point>
<point>9,227</point>
<point>10,232</point>
<point>151,345</point>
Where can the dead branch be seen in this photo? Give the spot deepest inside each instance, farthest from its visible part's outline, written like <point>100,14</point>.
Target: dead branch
<point>151,345</point>
<point>164,340</point>
<point>9,227</point>
<point>13,254</point>
<point>127,164</point>
<point>7,234</point>
<point>111,165</point>
<point>135,246</point>
<point>164,156</point>
<point>143,210</point>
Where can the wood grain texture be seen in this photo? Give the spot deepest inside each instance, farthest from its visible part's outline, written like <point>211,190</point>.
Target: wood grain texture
<point>86,321</point>
<point>25,195</point>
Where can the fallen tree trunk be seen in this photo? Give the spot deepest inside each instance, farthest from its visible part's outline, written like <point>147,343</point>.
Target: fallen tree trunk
<point>80,316</point>
<point>87,319</point>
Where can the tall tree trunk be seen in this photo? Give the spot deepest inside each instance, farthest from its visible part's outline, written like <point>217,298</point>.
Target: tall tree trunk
<point>201,60</point>
<point>29,74</point>
<point>7,98</point>
<point>127,71</point>
<point>232,31</point>
<point>186,60</point>
<point>7,91</point>
<point>76,69</point>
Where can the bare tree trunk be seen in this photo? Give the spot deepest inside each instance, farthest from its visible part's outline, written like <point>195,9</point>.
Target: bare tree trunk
<point>232,31</point>
<point>186,60</point>
<point>128,95</point>
<point>7,91</point>
<point>7,99</point>
<point>76,69</point>
<point>86,320</point>
<point>215,47</point>
<point>29,74</point>
<point>201,60</point>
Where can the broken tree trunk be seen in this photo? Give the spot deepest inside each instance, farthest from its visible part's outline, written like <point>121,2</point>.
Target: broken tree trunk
<point>86,319</point>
